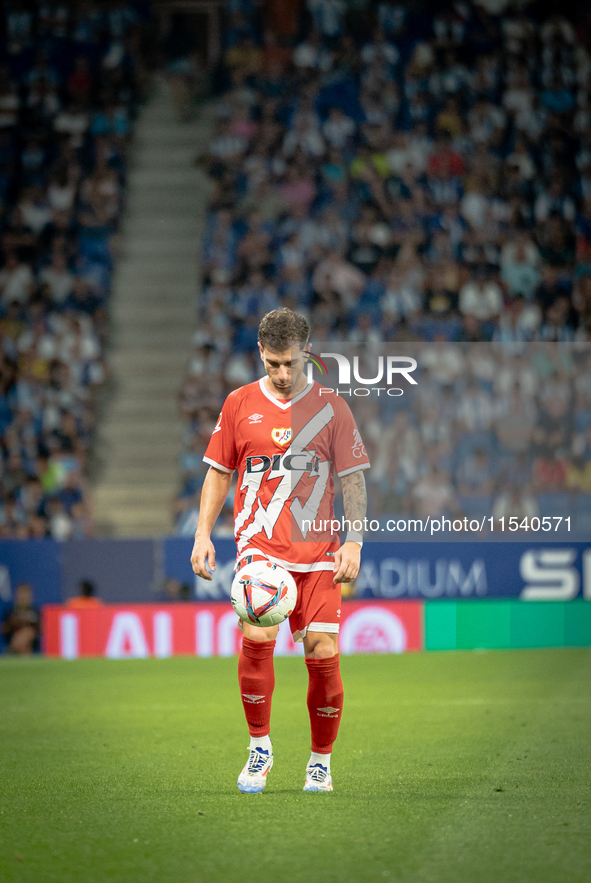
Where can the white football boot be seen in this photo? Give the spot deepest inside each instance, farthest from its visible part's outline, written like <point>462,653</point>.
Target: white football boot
<point>253,777</point>
<point>318,778</point>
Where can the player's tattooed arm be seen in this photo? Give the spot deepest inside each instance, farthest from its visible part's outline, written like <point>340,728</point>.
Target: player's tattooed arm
<point>348,557</point>
<point>354,496</point>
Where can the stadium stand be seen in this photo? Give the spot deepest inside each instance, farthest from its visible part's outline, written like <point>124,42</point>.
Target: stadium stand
<point>411,176</point>
<point>71,78</point>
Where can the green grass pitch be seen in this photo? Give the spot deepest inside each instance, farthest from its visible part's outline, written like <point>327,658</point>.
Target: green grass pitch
<point>449,767</point>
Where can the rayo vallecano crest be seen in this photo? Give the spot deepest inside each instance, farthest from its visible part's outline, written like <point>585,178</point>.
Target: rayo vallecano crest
<point>282,436</point>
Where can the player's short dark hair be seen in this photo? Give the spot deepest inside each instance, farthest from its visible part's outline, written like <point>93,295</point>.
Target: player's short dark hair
<point>281,329</point>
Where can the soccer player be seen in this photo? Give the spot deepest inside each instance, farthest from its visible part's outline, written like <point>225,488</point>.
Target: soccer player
<point>287,436</point>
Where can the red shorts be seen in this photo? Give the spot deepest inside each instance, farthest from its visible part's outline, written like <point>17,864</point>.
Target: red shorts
<point>318,608</point>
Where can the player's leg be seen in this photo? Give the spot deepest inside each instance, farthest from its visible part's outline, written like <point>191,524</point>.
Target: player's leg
<point>320,645</point>
<point>325,705</point>
<point>256,677</point>
<point>322,603</point>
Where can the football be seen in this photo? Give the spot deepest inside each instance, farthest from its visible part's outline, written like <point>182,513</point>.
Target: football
<point>263,594</point>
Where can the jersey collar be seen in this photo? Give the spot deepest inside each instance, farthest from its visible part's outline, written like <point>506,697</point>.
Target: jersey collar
<point>284,405</point>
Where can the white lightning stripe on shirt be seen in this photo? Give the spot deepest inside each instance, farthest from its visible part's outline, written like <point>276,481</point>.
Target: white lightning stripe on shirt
<point>266,518</point>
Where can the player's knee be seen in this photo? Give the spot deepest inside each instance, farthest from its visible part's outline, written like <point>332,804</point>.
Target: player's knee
<point>258,634</point>
<point>324,651</point>
<point>324,648</point>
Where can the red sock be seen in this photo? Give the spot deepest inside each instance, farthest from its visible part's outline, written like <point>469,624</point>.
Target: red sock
<point>256,677</point>
<point>325,701</point>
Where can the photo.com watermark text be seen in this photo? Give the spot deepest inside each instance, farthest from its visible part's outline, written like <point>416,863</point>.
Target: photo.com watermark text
<point>432,526</point>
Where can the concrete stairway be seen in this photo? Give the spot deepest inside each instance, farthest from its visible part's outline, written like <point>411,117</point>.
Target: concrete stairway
<point>154,298</point>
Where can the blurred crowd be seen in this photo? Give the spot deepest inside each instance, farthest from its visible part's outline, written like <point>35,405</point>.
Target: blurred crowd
<point>403,176</point>
<point>71,76</point>
<point>501,429</point>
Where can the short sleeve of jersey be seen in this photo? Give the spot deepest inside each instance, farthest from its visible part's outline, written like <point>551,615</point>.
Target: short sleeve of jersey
<point>221,450</point>
<point>348,450</point>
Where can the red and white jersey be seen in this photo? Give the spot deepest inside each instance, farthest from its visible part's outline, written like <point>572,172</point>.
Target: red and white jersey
<point>286,453</point>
